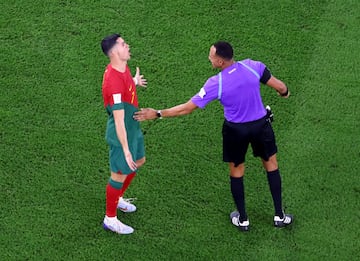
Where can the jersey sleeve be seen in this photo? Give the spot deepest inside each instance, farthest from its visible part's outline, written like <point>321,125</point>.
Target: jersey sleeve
<point>260,68</point>
<point>207,93</point>
<point>116,94</point>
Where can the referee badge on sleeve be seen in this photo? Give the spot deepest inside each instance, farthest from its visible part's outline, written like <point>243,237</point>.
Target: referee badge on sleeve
<point>202,93</point>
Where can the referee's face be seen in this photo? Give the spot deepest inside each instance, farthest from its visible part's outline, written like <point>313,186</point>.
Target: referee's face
<point>215,60</point>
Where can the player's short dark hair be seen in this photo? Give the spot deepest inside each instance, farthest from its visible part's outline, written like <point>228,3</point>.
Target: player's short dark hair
<point>224,50</point>
<point>108,42</point>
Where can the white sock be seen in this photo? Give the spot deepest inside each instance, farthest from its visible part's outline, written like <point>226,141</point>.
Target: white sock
<point>111,219</point>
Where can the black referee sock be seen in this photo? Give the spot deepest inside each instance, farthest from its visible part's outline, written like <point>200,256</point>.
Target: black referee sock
<point>274,180</point>
<point>237,190</point>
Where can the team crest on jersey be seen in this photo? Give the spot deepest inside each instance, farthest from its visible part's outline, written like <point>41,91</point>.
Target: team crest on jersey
<point>117,98</point>
<point>202,93</point>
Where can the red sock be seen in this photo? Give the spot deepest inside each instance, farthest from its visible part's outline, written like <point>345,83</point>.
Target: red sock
<point>127,182</point>
<point>112,199</point>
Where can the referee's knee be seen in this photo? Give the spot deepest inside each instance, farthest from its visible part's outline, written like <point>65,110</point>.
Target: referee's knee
<point>237,171</point>
<point>271,164</point>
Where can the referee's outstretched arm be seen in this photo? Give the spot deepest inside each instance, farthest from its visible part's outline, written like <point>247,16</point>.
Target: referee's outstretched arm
<point>178,110</point>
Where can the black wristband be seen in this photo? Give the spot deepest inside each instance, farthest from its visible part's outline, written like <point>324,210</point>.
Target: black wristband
<point>285,93</point>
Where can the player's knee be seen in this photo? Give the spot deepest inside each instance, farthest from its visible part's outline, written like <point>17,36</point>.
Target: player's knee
<point>118,177</point>
<point>140,162</point>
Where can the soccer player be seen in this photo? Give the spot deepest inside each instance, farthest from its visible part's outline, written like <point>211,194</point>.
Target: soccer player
<point>123,133</point>
<point>237,87</point>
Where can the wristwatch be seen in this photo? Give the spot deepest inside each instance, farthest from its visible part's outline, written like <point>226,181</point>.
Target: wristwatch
<point>158,114</point>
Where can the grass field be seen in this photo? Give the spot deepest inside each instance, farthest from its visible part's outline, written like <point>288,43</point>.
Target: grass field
<point>54,159</point>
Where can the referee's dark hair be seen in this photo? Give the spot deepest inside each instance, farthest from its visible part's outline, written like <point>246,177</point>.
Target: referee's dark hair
<point>224,50</point>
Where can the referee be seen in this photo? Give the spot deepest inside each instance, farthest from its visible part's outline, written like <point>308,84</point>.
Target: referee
<point>237,87</point>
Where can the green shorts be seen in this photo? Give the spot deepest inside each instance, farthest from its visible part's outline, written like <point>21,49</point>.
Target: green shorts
<point>117,158</point>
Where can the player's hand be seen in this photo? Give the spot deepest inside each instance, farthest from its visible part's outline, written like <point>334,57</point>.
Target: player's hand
<point>140,80</point>
<point>145,114</point>
<point>129,160</point>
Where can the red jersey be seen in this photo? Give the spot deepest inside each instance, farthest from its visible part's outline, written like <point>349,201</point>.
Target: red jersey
<point>119,93</point>
<point>118,87</point>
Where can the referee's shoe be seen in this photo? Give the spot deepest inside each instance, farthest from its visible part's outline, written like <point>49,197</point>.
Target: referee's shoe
<point>235,219</point>
<point>283,222</point>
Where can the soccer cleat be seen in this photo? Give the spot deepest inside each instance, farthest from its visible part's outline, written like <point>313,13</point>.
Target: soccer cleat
<point>115,225</point>
<point>125,205</point>
<point>283,222</point>
<point>243,226</point>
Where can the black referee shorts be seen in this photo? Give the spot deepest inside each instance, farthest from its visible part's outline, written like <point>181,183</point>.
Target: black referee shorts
<point>238,136</point>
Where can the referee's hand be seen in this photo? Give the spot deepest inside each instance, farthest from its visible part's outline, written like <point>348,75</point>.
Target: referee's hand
<point>145,114</point>
<point>286,94</point>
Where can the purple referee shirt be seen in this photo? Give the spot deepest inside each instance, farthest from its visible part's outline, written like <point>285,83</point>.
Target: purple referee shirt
<point>238,89</point>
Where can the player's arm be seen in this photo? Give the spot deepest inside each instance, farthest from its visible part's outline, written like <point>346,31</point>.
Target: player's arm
<point>119,116</point>
<point>178,110</point>
<point>275,83</point>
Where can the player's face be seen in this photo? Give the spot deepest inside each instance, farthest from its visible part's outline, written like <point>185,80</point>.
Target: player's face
<point>215,60</point>
<point>122,49</point>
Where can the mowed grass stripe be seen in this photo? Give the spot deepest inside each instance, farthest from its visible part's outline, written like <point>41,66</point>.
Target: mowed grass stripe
<point>323,143</point>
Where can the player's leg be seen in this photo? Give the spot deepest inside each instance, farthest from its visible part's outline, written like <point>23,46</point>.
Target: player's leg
<point>138,146</point>
<point>131,176</point>
<point>125,204</point>
<point>140,162</point>
<point>113,192</point>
